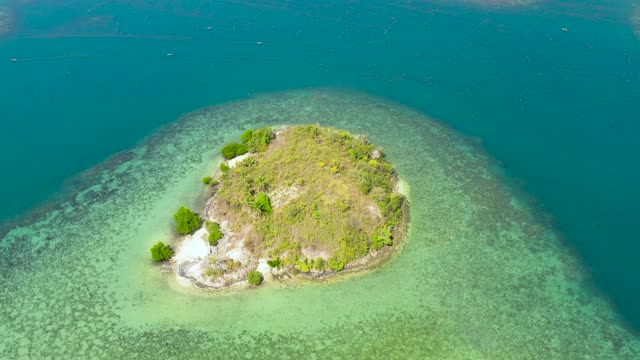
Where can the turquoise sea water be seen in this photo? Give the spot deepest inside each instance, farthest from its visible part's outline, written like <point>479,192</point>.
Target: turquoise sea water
<point>557,109</point>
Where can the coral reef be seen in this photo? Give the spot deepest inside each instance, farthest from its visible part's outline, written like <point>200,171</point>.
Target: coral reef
<point>483,274</point>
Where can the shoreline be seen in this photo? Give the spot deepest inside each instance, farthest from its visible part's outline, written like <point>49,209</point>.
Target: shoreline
<point>370,262</point>
<point>186,286</point>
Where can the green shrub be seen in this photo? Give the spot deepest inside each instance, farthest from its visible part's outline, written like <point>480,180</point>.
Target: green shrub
<point>215,234</point>
<point>348,253</point>
<point>258,140</point>
<point>229,151</point>
<point>393,205</point>
<point>224,167</point>
<point>335,263</point>
<point>302,266</point>
<point>207,180</point>
<point>232,150</point>
<point>381,237</point>
<point>360,150</point>
<point>262,203</point>
<point>312,130</point>
<point>161,252</point>
<point>241,149</point>
<point>255,278</point>
<point>186,221</point>
<point>368,180</point>
<point>246,136</point>
<point>318,264</point>
<point>214,182</point>
<point>275,263</point>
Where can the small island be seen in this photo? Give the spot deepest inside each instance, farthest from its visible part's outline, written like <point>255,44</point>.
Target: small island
<point>302,201</point>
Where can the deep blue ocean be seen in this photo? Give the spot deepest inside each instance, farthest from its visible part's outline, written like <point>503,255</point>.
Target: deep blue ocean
<point>552,91</point>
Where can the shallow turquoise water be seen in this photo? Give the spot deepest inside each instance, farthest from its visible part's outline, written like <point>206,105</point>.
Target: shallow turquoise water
<point>556,108</point>
<point>482,274</point>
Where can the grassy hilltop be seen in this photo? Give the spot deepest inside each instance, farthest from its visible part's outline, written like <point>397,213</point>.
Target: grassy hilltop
<point>311,198</point>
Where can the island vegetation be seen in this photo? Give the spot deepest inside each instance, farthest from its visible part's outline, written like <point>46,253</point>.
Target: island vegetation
<point>255,278</point>
<point>301,200</point>
<point>213,228</point>
<point>161,252</point>
<point>186,221</point>
<point>234,149</point>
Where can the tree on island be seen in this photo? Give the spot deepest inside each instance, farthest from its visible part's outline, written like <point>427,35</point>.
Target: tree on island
<point>234,149</point>
<point>161,252</point>
<point>186,221</point>
<point>255,278</point>
<point>213,228</point>
<point>381,237</point>
<point>335,263</point>
<point>257,140</point>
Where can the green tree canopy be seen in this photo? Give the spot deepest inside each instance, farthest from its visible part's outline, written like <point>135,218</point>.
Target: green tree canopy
<point>255,278</point>
<point>161,252</point>
<point>215,234</point>
<point>186,221</point>
<point>257,140</point>
<point>232,150</point>
<point>246,136</point>
<point>335,263</point>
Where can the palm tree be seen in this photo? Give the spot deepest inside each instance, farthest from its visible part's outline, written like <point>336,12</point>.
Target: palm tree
<point>262,183</point>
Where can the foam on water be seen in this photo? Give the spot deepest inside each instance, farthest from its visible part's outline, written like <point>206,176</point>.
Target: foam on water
<point>482,274</point>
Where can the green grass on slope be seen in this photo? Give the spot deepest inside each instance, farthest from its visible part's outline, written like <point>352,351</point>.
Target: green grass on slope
<point>329,192</point>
